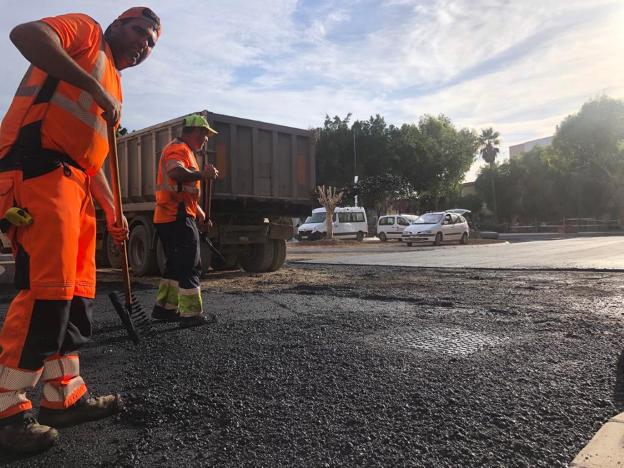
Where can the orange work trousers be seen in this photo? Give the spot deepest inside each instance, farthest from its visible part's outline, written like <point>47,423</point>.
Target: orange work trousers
<point>50,318</point>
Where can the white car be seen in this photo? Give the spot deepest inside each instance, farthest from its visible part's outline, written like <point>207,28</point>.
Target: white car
<point>392,226</point>
<point>437,228</point>
<point>349,223</point>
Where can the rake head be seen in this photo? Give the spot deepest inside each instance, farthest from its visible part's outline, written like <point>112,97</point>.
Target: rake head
<point>133,316</point>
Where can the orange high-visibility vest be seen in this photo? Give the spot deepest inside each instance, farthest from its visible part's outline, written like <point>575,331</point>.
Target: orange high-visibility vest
<point>169,193</point>
<point>53,115</point>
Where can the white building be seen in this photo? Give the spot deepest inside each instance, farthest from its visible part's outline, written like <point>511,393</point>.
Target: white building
<point>517,150</point>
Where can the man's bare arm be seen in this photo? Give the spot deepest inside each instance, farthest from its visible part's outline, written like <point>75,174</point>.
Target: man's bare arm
<point>41,46</point>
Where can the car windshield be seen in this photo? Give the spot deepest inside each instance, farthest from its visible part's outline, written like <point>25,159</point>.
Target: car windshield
<point>308,220</point>
<point>429,218</point>
<point>317,217</point>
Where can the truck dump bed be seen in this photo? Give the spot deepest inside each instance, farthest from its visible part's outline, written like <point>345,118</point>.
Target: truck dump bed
<point>263,168</point>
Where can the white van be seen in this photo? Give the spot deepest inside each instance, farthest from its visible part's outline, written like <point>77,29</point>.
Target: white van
<point>349,223</point>
<point>392,226</point>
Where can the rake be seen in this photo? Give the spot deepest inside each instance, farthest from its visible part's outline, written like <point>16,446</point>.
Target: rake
<point>130,311</point>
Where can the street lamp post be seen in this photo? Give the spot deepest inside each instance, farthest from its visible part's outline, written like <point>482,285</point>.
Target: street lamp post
<point>355,177</point>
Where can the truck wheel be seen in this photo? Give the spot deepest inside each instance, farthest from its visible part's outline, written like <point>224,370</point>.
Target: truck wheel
<point>231,262</point>
<point>279,254</point>
<point>360,236</point>
<point>113,256</point>
<point>257,258</point>
<point>141,258</point>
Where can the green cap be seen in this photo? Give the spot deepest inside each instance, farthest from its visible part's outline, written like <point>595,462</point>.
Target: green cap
<point>196,120</point>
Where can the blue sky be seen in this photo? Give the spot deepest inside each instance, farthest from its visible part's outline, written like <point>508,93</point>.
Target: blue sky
<point>519,66</point>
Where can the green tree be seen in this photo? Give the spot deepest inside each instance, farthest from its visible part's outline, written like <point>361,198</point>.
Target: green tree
<point>591,151</point>
<point>375,192</point>
<point>432,156</point>
<point>334,152</point>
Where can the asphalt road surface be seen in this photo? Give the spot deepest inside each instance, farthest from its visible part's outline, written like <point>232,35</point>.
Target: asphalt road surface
<point>321,365</point>
<point>576,253</point>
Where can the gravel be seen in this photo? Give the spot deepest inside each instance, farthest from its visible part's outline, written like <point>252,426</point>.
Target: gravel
<point>334,366</point>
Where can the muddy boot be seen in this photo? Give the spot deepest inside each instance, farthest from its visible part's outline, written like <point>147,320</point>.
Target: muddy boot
<point>164,315</point>
<point>26,435</point>
<point>197,320</point>
<point>86,409</point>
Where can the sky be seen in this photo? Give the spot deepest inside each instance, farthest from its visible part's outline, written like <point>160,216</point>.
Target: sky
<point>517,66</point>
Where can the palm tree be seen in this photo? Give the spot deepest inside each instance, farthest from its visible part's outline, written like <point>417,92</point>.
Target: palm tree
<point>488,148</point>
<point>488,145</point>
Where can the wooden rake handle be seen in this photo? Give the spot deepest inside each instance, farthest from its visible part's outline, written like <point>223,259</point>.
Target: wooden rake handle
<point>114,173</point>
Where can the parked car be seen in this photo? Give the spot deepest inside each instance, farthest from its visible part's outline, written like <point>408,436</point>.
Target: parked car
<point>437,228</point>
<point>392,226</point>
<point>349,223</point>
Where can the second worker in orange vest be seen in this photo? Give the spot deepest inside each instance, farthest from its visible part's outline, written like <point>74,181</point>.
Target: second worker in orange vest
<point>53,142</point>
<point>175,217</point>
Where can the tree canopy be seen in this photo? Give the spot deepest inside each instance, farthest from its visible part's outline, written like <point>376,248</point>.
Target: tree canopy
<point>580,175</point>
<point>428,159</point>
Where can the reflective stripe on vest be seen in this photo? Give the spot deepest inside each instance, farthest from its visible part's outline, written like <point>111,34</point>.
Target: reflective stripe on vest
<point>47,97</point>
<point>79,109</point>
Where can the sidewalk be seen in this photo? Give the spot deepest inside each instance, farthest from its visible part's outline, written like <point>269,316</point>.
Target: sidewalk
<point>606,449</point>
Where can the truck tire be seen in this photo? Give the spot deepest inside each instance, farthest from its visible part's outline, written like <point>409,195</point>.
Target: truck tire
<point>257,258</point>
<point>279,254</point>
<point>111,252</point>
<point>231,262</point>
<point>141,257</point>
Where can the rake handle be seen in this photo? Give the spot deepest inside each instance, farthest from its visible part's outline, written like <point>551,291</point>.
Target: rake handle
<point>209,198</point>
<point>116,188</point>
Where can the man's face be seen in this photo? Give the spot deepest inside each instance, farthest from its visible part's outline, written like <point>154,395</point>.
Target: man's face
<point>199,137</point>
<point>131,41</point>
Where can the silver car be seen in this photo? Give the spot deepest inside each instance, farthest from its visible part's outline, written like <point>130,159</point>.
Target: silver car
<point>439,227</point>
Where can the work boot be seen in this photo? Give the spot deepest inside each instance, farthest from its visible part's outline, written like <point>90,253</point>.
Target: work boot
<point>197,320</point>
<point>164,315</point>
<point>86,409</point>
<point>26,435</point>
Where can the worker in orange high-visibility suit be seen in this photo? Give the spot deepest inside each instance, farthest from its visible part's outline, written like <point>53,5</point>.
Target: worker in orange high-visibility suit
<point>176,217</point>
<point>53,142</point>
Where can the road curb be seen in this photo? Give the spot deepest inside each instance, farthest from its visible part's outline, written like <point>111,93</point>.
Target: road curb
<point>606,448</point>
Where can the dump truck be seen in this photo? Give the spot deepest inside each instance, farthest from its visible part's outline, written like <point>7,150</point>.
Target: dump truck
<point>266,177</point>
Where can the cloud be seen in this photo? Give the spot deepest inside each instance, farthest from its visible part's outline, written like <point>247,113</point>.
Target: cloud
<point>517,66</point>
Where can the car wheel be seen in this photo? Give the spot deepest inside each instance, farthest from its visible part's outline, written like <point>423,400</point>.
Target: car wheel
<point>438,239</point>
<point>409,244</point>
<point>464,238</point>
<point>360,236</point>
<point>383,237</point>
